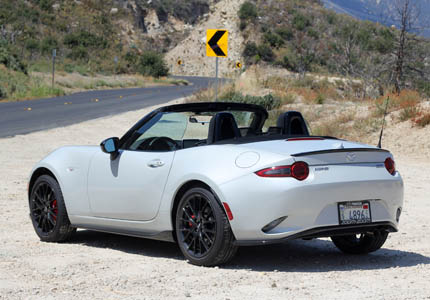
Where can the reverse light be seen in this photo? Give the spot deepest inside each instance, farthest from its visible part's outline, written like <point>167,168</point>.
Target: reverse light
<point>390,166</point>
<point>299,170</point>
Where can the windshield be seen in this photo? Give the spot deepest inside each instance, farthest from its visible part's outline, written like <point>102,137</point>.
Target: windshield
<point>179,130</point>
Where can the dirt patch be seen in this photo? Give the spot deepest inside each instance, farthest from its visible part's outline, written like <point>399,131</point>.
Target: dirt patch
<point>104,266</point>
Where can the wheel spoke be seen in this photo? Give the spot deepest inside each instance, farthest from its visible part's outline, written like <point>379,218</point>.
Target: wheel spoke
<point>191,243</point>
<point>187,235</point>
<point>202,240</point>
<point>51,220</point>
<point>191,208</point>
<point>189,217</point>
<point>207,236</point>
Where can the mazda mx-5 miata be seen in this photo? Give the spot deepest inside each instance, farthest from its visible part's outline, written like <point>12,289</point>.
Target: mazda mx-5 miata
<point>212,177</point>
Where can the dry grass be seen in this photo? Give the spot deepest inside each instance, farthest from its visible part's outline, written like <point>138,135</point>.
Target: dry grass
<point>225,92</point>
<point>75,82</point>
<point>422,119</point>
<point>322,101</point>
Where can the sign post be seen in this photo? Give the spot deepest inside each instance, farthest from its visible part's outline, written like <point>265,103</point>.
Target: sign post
<point>216,78</point>
<point>216,46</point>
<point>115,59</point>
<point>54,54</point>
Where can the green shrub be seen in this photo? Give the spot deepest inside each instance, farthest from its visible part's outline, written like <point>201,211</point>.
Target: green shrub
<point>409,112</point>
<point>11,60</point>
<point>69,68</point>
<point>300,22</point>
<point>79,53</point>
<point>250,51</point>
<point>286,33</point>
<point>269,102</point>
<point>48,44</point>
<point>290,62</point>
<point>248,11</point>
<point>85,39</point>
<point>320,99</point>
<point>423,87</point>
<point>32,45</point>
<point>266,53</point>
<point>3,92</point>
<point>273,39</point>
<point>131,58</point>
<point>152,64</point>
<point>45,4</point>
<point>313,34</point>
<point>331,18</point>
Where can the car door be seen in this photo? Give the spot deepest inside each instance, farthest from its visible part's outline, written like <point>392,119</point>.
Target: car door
<point>129,187</point>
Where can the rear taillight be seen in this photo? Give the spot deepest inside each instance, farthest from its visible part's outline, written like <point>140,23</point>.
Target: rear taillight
<point>390,166</point>
<point>299,170</point>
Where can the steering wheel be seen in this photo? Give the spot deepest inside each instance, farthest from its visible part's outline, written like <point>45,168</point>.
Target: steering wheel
<point>162,143</point>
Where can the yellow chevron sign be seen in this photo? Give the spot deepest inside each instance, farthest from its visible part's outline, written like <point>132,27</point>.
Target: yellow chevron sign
<point>217,42</point>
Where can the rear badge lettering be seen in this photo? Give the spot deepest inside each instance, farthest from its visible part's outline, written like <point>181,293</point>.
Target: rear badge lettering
<point>321,169</point>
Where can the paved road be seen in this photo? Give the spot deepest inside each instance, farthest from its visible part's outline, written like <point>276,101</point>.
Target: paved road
<point>34,115</point>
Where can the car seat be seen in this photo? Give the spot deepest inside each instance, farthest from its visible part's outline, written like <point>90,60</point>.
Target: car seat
<point>222,127</point>
<point>292,123</point>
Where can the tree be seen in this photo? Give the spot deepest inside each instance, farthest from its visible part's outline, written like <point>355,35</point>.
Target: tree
<point>408,46</point>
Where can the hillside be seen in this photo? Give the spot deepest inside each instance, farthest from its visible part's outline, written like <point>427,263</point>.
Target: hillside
<point>134,36</point>
<point>91,33</point>
<point>381,11</point>
<point>302,37</point>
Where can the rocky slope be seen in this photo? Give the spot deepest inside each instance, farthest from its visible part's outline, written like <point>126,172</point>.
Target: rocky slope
<point>192,50</point>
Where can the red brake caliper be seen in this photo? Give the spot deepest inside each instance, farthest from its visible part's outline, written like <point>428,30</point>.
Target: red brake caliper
<point>55,207</point>
<point>192,217</point>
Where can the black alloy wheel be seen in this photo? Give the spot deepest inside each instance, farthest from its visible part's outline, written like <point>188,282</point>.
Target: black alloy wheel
<point>198,225</point>
<point>48,212</point>
<point>202,229</point>
<point>44,208</point>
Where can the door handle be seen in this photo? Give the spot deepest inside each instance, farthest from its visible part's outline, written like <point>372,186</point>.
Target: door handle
<point>156,163</point>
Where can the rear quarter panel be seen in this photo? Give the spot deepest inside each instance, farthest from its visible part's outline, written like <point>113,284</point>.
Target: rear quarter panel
<point>214,165</point>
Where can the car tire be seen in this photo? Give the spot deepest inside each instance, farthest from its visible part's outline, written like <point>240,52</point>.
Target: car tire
<point>48,212</point>
<point>361,244</point>
<point>202,229</point>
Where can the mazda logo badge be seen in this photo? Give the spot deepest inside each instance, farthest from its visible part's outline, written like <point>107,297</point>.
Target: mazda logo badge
<point>350,157</point>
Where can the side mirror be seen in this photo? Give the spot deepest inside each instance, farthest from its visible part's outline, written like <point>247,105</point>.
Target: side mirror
<point>110,146</point>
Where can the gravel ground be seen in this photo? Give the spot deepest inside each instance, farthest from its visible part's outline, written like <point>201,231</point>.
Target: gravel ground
<point>104,266</point>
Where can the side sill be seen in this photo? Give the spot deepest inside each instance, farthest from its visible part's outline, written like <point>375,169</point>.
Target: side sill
<point>327,231</point>
<point>166,236</point>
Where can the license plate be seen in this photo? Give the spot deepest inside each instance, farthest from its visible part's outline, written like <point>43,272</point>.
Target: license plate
<point>354,213</point>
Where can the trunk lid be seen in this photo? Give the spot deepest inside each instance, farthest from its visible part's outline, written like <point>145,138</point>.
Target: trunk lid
<point>323,151</point>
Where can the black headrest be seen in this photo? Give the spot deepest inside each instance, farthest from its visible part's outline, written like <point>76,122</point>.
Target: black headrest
<point>222,127</point>
<point>292,123</point>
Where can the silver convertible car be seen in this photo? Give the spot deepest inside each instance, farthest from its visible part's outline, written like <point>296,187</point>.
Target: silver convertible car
<point>212,177</point>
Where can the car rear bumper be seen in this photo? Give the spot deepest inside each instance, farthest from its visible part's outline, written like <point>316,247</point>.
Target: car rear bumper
<point>326,231</point>
<point>308,205</point>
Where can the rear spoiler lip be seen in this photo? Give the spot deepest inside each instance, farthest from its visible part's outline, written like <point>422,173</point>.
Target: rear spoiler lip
<point>340,150</point>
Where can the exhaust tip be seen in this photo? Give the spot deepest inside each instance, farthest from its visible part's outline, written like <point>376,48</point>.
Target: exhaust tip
<point>273,224</point>
<point>399,212</point>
